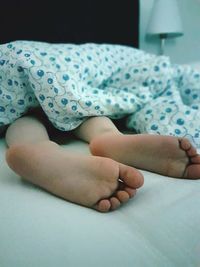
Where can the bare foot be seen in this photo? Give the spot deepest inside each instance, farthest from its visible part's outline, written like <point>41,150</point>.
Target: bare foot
<point>95,182</point>
<point>166,155</point>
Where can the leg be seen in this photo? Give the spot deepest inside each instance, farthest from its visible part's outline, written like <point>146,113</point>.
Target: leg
<point>165,155</point>
<point>96,126</point>
<point>92,181</point>
<point>26,130</point>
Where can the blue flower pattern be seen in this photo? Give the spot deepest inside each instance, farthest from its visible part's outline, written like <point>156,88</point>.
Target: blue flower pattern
<point>73,82</point>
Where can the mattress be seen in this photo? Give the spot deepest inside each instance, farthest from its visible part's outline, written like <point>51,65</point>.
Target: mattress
<point>160,226</point>
<point>195,64</point>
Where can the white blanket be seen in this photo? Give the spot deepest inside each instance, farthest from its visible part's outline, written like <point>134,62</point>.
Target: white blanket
<point>74,82</point>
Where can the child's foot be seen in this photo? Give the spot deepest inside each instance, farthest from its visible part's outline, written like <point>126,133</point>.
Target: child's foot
<point>95,182</point>
<point>165,155</point>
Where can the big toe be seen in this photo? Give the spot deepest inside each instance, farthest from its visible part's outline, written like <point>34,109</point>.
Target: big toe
<point>130,176</point>
<point>192,171</point>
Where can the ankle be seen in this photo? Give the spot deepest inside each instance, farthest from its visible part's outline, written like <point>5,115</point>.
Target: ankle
<point>15,151</point>
<point>35,144</point>
<point>99,144</point>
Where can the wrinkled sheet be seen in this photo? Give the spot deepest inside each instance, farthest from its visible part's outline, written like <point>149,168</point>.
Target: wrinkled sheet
<point>74,82</point>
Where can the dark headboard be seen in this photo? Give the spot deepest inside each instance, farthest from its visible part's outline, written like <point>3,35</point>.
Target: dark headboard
<point>70,21</point>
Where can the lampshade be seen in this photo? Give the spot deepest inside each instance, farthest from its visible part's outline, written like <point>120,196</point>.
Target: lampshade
<point>165,19</point>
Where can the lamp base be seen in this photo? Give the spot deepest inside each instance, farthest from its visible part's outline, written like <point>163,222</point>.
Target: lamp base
<point>162,43</point>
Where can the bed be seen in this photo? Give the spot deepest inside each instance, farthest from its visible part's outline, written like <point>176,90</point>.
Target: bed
<point>159,227</point>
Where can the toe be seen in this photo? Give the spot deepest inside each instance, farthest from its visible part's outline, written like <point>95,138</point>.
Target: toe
<point>131,192</point>
<point>192,171</point>
<point>130,176</point>
<point>122,196</point>
<point>103,205</point>
<point>187,146</point>
<point>115,203</point>
<point>191,152</point>
<point>184,143</point>
<point>195,159</point>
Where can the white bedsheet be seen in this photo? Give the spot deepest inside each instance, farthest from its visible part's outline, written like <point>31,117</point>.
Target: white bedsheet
<point>159,227</point>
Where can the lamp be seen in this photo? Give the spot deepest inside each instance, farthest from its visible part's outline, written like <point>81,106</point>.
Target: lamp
<point>165,21</point>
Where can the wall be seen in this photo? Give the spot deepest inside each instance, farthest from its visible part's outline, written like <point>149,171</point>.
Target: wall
<point>184,49</point>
